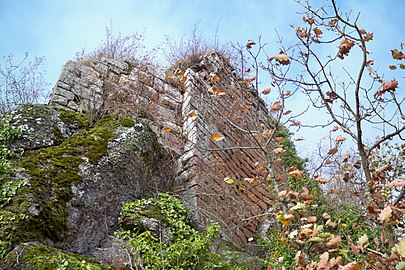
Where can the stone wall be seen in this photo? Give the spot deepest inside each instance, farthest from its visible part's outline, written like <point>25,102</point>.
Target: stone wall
<point>204,100</point>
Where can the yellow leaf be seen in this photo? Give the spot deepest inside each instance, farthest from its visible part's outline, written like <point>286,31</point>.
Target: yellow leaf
<point>229,181</point>
<point>400,247</point>
<point>217,137</point>
<point>166,129</point>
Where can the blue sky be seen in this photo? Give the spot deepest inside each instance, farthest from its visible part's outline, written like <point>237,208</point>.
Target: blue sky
<point>57,29</point>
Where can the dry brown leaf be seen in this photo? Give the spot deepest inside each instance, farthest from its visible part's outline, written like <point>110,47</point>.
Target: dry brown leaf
<point>385,214</point>
<point>166,129</point>
<point>276,106</point>
<point>250,44</point>
<point>340,138</point>
<point>282,58</point>
<point>266,91</point>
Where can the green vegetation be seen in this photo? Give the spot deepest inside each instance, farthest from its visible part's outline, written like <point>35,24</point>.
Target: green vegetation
<point>176,244</point>
<point>41,257</point>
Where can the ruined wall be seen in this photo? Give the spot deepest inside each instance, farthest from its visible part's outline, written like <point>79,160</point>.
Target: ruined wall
<point>207,100</point>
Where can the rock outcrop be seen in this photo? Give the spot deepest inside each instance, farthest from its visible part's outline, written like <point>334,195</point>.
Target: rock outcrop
<point>113,133</point>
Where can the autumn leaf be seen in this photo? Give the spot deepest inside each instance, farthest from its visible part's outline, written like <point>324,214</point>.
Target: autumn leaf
<point>332,151</point>
<point>383,168</point>
<point>368,36</point>
<point>248,81</point>
<point>322,180</point>
<point>332,22</point>
<point>250,44</point>
<point>345,157</point>
<point>166,129</point>
<point>299,139</point>
<point>385,214</point>
<point>251,181</point>
<point>219,93</point>
<point>213,89</point>
<point>287,112</point>
<point>400,247</point>
<point>397,55</point>
<point>296,173</point>
<point>344,48</point>
<point>217,137</point>
<point>397,183</point>
<point>179,72</point>
<point>317,31</point>
<point>266,91</point>
<point>192,114</point>
<point>213,77</point>
<point>278,150</point>
<point>334,129</point>
<point>276,106</point>
<point>392,67</point>
<point>340,138</point>
<point>401,66</point>
<point>183,80</point>
<point>282,58</point>
<point>310,21</point>
<point>390,86</point>
<point>351,266</point>
<point>230,181</point>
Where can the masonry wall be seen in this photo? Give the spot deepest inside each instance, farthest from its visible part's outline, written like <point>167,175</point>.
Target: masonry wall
<point>185,117</point>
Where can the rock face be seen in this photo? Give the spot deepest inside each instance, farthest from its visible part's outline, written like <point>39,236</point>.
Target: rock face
<point>113,133</point>
<point>185,111</point>
<point>69,193</point>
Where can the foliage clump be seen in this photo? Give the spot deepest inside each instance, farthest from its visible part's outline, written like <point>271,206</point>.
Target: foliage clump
<point>175,244</point>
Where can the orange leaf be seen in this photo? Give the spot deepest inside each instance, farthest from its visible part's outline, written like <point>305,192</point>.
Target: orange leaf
<point>251,181</point>
<point>287,112</point>
<point>178,72</point>
<point>344,48</point>
<point>217,137</point>
<point>219,93</point>
<point>183,80</point>
<point>245,109</point>
<point>166,129</point>
<point>368,37</point>
<point>192,114</point>
<point>318,31</point>
<point>213,89</point>
<point>393,67</point>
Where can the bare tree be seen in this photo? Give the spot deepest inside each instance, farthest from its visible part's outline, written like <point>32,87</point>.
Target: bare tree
<point>21,81</point>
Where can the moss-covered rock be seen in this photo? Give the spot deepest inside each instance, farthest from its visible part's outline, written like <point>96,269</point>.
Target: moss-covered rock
<point>69,194</point>
<point>28,256</point>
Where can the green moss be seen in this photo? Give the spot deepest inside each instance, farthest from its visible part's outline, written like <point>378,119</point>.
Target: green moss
<point>73,118</point>
<point>127,122</point>
<point>40,257</point>
<point>38,209</point>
